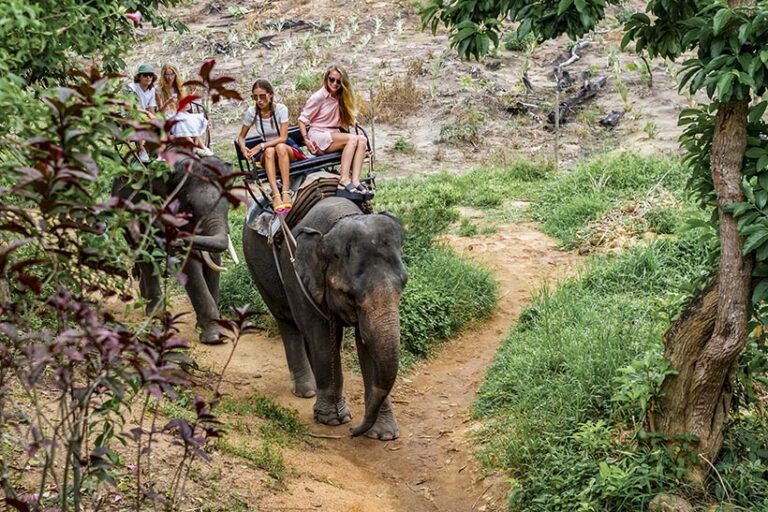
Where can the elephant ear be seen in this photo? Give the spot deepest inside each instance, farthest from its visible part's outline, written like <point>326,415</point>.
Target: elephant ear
<point>400,229</point>
<point>310,262</point>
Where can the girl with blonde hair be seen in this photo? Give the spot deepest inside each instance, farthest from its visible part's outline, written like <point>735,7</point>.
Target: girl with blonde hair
<point>170,92</point>
<point>328,109</point>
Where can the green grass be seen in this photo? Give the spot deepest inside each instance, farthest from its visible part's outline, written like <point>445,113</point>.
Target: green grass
<point>284,419</point>
<point>265,456</point>
<point>566,205</point>
<point>562,402</point>
<point>555,377</point>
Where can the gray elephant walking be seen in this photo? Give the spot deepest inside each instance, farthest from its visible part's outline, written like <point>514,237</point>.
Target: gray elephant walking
<point>348,272</point>
<point>200,196</point>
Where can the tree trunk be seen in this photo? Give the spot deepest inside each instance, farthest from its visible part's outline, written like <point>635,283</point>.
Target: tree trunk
<point>704,344</point>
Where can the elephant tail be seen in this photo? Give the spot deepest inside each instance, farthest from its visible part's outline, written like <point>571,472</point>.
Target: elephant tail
<point>378,396</point>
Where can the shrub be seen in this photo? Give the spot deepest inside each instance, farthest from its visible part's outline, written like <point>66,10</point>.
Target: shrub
<point>554,417</point>
<point>403,145</point>
<point>308,80</point>
<point>444,293</point>
<point>513,43</point>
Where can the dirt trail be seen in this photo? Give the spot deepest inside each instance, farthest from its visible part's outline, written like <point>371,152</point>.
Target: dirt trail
<point>431,466</point>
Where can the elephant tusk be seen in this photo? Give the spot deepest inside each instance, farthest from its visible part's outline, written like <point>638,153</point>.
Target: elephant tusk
<point>211,264</point>
<point>232,252</point>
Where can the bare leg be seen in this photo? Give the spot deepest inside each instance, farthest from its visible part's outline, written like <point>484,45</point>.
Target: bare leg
<point>347,144</point>
<point>359,158</point>
<point>268,161</point>
<point>284,158</point>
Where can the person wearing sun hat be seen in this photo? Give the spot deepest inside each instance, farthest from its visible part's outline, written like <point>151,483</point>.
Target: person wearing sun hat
<point>144,87</point>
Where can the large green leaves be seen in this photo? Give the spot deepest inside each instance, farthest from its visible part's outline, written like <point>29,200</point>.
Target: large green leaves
<point>41,39</point>
<point>475,24</point>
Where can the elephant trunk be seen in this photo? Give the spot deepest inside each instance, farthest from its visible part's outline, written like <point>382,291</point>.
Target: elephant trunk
<point>212,235</point>
<point>380,333</point>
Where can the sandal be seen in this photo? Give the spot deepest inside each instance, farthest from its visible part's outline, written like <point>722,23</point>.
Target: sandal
<point>349,191</point>
<point>365,191</point>
<point>277,204</point>
<point>287,204</point>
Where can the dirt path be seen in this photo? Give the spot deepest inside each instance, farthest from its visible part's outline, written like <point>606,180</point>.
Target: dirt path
<point>431,466</point>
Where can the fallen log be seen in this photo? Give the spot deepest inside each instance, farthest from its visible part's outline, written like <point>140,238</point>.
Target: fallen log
<point>586,93</point>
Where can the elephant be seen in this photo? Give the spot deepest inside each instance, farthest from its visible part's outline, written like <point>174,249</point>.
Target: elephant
<point>200,196</point>
<point>348,271</point>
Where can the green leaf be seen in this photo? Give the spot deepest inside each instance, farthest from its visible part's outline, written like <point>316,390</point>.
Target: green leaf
<point>580,5</point>
<point>716,48</point>
<point>761,291</point>
<point>761,253</point>
<point>755,152</point>
<point>746,220</point>
<point>563,6</point>
<point>745,60</point>
<point>762,163</point>
<point>755,240</point>
<point>724,86</point>
<point>721,19</point>
<point>761,198</point>
<point>762,179</point>
<point>756,113</point>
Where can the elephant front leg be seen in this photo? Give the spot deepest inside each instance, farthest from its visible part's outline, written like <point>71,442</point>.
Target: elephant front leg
<point>386,427</point>
<point>149,286</point>
<point>206,309</point>
<point>325,355</point>
<point>302,377</point>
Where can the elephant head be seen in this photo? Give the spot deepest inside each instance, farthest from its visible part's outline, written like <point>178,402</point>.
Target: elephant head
<point>355,272</point>
<point>202,196</point>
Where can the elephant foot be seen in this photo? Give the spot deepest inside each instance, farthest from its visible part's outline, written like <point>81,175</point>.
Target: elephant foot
<point>304,390</point>
<point>212,335</point>
<point>385,428</point>
<point>332,414</point>
<point>304,387</point>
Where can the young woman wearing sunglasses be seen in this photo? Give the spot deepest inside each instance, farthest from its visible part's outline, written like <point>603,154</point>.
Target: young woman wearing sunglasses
<point>329,108</point>
<point>277,150</point>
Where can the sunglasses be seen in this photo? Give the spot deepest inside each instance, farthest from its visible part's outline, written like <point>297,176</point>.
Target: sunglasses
<point>145,74</point>
<point>260,96</point>
<point>332,80</point>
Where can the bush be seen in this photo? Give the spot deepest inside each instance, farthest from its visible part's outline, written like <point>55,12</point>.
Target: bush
<point>444,293</point>
<point>513,43</point>
<point>564,399</point>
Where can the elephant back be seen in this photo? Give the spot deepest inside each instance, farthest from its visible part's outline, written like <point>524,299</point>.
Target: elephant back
<point>320,193</point>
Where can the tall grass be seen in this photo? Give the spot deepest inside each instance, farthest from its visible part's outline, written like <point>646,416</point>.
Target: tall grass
<point>599,185</point>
